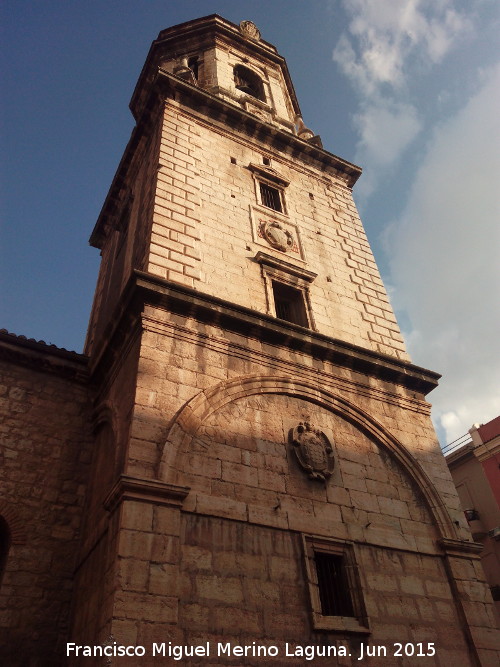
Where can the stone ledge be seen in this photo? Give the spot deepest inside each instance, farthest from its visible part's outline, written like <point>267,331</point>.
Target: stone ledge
<point>232,115</point>
<point>210,309</point>
<point>282,265</point>
<point>460,548</point>
<point>145,490</point>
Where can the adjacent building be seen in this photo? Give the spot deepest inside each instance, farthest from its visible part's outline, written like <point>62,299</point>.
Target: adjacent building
<point>474,463</point>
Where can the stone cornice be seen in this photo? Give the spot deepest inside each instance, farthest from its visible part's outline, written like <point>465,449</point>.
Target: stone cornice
<point>147,288</point>
<point>269,173</point>
<point>235,117</point>
<point>460,548</point>
<point>145,490</point>
<point>458,456</point>
<point>39,356</point>
<point>488,449</point>
<point>281,264</point>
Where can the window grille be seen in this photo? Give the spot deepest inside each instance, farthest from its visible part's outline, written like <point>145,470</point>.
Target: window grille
<point>270,197</point>
<point>333,585</point>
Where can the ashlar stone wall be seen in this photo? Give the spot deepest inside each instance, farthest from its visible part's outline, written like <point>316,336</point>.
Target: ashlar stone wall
<point>227,563</point>
<point>206,231</point>
<point>45,456</point>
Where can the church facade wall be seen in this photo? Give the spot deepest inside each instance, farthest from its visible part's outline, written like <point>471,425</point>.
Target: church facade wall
<point>235,546</point>
<point>46,451</point>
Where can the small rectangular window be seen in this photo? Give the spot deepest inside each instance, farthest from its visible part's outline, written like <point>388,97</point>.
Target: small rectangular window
<point>270,197</point>
<point>289,304</point>
<point>333,584</point>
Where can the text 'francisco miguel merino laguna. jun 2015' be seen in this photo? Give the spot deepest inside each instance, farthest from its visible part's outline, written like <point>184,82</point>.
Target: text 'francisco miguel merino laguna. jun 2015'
<point>225,649</point>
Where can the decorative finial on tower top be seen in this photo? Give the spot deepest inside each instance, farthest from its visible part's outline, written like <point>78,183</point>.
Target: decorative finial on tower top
<point>302,131</point>
<point>250,30</point>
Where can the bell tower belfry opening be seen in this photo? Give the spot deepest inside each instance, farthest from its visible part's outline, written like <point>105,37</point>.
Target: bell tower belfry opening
<point>265,471</point>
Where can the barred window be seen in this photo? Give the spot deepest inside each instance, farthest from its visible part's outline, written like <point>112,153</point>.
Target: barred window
<point>333,585</point>
<point>270,197</point>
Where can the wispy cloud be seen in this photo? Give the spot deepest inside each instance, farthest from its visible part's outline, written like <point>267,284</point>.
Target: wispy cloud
<point>385,129</point>
<point>444,262</point>
<point>386,36</point>
<point>385,43</point>
<point>443,249</point>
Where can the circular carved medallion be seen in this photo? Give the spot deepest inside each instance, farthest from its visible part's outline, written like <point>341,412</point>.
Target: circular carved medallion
<point>314,451</point>
<point>277,236</point>
<point>249,29</point>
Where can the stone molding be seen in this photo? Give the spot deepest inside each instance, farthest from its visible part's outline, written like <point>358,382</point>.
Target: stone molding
<point>270,174</point>
<point>145,490</point>
<point>147,288</point>
<point>282,366</point>
<point>233,115</point>
<point>282,265</point>
<point>460,548</point>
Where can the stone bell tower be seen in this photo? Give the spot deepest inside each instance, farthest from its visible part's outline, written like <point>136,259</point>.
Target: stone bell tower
<point>265,469</point>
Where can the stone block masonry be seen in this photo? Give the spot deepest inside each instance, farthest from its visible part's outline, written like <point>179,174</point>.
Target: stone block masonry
<point>46,438</point>
<point>202,230</point>
<point>246,421</point>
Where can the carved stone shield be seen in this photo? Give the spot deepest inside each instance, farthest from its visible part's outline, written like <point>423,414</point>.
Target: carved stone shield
<point>314,451</point>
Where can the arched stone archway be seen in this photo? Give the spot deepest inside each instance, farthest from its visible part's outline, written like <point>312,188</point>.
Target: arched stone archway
<point>14,523</point>
<point>196,411</point>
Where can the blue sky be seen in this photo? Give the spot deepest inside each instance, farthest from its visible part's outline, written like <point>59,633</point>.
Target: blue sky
<point>407,89</point>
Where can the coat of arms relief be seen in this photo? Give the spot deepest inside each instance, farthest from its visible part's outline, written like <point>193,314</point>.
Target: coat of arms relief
<point>314,451</point>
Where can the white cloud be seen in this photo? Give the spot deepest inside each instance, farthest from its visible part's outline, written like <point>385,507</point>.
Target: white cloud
<point>445,267</point>
<point>385,128</point>
<point>386,42</point>
<point>444,250</point>
<point>386,35</point>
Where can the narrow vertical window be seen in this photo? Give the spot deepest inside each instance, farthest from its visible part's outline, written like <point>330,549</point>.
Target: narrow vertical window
<point>289,304</point>
<point>333,585</point>
<point>270,197</point>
